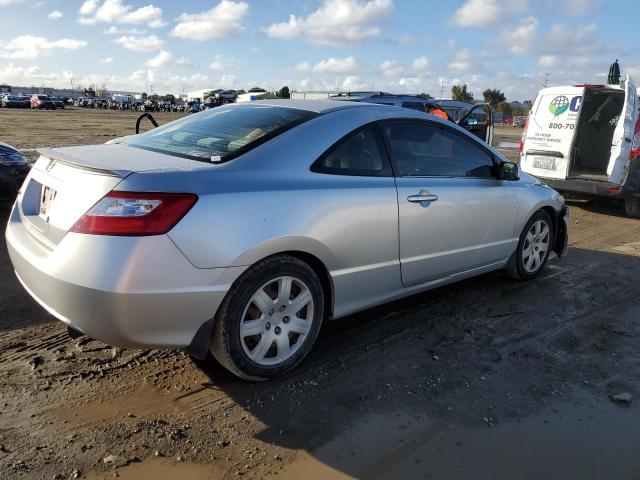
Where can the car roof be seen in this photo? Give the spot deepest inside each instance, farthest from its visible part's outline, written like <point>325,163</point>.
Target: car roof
<point>317,106</point>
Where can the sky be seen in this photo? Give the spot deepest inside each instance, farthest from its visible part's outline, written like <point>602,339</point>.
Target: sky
<point>399,46</point>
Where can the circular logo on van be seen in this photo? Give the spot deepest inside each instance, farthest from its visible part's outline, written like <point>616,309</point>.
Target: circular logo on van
<point>559,105</point>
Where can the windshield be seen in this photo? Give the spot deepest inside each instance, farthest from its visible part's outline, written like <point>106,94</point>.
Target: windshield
<point>221,133</point>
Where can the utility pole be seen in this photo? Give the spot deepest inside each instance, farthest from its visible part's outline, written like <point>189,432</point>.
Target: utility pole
<point>72,83</point>
<point>546,80</point>
<point>442,85</point>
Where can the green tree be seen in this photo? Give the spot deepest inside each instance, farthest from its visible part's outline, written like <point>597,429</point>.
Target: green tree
<point>284,92</point>
<point>505,107</point>
<point>425,96</point>
<point>144,95</point>
<point>256,90</point>
<point>493,96</point>
<point>241,92</point>
<point>460,93</point>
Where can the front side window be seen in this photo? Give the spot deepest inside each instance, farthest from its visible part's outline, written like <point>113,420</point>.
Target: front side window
<point>429,150</point>
<point>221,133</point>
<point>360,153</point>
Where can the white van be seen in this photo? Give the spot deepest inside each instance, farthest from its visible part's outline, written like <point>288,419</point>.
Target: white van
<point>586,139</point>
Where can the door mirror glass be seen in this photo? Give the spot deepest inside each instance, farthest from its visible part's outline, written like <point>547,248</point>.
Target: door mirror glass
<point>509,171</point>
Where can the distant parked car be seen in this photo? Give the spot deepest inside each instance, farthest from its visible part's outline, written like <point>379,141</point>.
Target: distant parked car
<point>58,102</point>
<point>13,101</point>
<point>14,168</point>
<point>42,101</point>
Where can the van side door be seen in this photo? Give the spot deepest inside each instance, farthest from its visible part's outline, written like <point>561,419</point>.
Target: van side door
<point>623,134</point>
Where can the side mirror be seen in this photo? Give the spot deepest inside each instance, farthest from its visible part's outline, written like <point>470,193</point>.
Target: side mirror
<point>508,171</point>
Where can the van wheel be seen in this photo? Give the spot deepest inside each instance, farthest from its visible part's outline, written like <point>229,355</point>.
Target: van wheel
<point>534,247</point>
<point>632,207</point>
<point>270,319</point>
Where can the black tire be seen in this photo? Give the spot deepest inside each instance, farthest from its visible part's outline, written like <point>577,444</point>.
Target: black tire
<point>516,266</point>
<point>632,207</point>
<point>226,344</point>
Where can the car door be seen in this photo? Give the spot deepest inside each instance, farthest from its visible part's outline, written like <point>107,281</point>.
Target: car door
<point>623,134</point>
<point>455,215</point>
<point>479,121</point>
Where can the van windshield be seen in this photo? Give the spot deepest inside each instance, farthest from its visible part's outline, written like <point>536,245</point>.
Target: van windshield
<point>221,133</point>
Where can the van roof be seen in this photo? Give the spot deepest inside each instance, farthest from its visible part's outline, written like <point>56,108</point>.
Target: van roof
<point>571,89</point>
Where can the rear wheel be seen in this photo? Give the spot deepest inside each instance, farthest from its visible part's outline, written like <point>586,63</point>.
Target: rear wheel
<point>632,207</point>
<point>534,247</point>
<point>270,319</point>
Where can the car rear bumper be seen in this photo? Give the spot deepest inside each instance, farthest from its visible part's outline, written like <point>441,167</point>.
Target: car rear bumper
<point>125,291</point>
<point>587,187</point>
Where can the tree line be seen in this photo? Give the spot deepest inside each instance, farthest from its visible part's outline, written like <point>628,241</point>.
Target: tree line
<point>492,96</point>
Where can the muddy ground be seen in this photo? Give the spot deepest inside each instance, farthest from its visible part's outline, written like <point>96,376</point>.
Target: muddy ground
<point>488,378</point>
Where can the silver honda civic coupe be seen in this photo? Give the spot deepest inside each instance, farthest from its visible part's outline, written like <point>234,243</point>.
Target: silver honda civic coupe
<point>239,230</point>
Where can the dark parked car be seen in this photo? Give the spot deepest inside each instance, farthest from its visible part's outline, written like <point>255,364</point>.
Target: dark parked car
<point>57,101</point>
<point>42,101</point>
<point>13,170</point>
<point>14,101</point>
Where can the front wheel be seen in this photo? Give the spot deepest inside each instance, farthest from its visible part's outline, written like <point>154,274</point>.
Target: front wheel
<point>534,247</point>
<point>632,207</point>
<point>270,319</point>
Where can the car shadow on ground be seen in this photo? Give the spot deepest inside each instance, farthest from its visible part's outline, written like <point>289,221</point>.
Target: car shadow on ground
<point>604,206</point>
<point>476,353</point>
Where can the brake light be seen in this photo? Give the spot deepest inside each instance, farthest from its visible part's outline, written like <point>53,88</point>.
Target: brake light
<point>635,144</point>
<point>524,134</point>
<point>135,213</point>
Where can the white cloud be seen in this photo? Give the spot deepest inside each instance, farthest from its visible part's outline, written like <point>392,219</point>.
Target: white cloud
<point>420,64</point>
<point>228,81</point>
<point>4,3</point>
<point>338,66</point>
<point>302,67</point>
<point>337,22</point>
<point>107,60</point>
<point>55,15</point>
<point>481,13</point>
<point>29,46</point>
<point>166,59</point>
<point>114,11</point>
<point>546,61</point>
<point>88,7</point>
<point>521,39</point>
<point>222,63</point>
<point>461,63</point>
<point>140,44</point>
<point>353,83</point>
<point>113,30</point>
<point>223,20</point>
<point>390,68</point>
<point>285,30</point>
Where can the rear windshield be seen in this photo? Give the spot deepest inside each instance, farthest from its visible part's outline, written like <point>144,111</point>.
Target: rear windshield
<point>221,133</point>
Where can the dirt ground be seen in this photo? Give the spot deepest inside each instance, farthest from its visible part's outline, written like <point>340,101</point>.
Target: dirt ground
<point>488,378</point>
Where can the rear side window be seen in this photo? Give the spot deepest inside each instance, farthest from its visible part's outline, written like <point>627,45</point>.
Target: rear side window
<point>414,106</point>
<point>429,150</point>
<point>359,153</point>
<point>221,133</point>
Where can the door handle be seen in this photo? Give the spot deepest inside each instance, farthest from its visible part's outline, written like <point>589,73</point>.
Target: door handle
<point>422,198</point>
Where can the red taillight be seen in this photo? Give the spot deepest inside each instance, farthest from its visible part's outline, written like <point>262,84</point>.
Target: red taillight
<point>135,213</point>
<point>613,189</point>
<point>635,144</point>
<point>524,134</point>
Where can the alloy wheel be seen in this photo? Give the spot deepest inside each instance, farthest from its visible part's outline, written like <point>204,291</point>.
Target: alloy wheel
<point>535,246</point>
<point>276,320</point>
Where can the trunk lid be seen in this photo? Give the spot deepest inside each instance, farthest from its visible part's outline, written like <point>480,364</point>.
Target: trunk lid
<point>64,183</point>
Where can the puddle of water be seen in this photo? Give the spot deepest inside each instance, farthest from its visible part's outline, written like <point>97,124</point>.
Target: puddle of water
<point>587,442</point>
<point>508,145</point>
<point>160,468</point>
